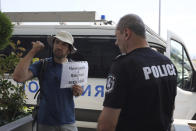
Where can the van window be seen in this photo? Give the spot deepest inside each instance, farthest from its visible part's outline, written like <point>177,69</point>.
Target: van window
<point>99,52</point>
<point>180,59</point>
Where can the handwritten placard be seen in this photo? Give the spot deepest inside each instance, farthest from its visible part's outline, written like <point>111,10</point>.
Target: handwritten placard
<point>74,73</point>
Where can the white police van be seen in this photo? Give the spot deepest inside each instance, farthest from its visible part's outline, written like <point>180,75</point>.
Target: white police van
<point>95,44</point>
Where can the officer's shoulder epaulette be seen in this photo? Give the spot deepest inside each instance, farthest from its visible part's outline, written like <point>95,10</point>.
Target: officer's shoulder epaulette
<point>120,56</point>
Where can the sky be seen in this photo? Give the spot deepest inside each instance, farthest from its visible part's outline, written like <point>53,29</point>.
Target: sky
<point>178,16</point>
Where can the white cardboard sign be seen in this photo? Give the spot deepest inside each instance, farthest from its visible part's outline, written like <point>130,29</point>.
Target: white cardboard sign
<point>74,73</point>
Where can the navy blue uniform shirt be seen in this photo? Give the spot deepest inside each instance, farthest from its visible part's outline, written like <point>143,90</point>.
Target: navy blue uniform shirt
<point>143,84</point>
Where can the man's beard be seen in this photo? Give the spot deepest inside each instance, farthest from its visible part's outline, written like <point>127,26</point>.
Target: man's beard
<point>59,56</point>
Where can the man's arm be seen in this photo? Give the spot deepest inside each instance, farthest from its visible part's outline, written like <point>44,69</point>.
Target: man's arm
<point>22,72</point>
<point>108,119</point>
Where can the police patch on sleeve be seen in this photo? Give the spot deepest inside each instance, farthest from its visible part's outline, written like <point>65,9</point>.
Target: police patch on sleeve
<point>110,83</point>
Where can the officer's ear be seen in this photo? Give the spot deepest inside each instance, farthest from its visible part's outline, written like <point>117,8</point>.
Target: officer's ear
<point>127,33</point>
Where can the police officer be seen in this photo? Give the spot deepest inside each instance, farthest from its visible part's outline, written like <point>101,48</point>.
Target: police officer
<point>141,85</point>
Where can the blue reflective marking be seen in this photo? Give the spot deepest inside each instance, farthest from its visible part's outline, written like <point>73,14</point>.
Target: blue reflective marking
<point>99,89</point>
<point>36,85</point>
<point>88,88</point>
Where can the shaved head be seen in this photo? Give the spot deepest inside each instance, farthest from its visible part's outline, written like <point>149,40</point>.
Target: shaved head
<point>134,23</point>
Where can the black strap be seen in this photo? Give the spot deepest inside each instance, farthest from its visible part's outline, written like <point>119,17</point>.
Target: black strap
<point>39,94</point>
<point>36,94</point>
<point>43,68</point>
<point>34,122</point>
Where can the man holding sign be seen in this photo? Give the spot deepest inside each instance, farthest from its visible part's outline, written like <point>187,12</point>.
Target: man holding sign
<point>56,111</point>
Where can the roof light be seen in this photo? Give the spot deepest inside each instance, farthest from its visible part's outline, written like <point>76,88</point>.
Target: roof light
<point>102,17</point>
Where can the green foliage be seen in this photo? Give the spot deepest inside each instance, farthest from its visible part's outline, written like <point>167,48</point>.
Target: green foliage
<point>12,101</point>
<point>12,94</point>
<point>6,29</point>
<point>8,63</point>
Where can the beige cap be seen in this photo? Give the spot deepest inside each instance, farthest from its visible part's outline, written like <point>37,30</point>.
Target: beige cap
<point>65,37</point>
